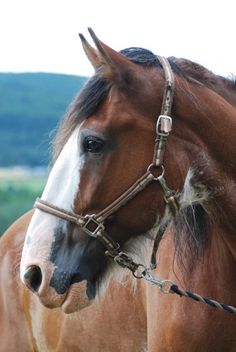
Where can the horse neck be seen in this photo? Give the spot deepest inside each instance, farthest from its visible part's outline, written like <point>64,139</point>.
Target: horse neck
<point>204,143</point>
<point>212,122</point>
<point>212,275</point>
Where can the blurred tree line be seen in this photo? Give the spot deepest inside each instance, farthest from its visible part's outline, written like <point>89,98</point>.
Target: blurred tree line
<point>31,104</point>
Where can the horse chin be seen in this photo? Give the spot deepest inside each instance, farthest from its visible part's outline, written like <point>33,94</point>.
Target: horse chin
<point>73,300</point>
<point>76,298</point>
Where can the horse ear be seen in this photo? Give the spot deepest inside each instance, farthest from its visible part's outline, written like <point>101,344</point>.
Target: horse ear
<point>91,53</point>
<point>112,65</point>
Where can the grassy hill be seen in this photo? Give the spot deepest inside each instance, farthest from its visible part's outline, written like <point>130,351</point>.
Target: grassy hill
<point>31,104</point>
<point>18,191</point>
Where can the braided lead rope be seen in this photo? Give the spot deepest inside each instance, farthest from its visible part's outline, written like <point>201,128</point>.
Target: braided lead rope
<point>167,286</point>
<point>196,297</point>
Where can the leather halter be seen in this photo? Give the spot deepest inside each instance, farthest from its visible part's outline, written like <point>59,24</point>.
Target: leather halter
<point>93,225</point>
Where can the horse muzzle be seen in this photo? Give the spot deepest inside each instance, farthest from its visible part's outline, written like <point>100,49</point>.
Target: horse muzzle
<point>57,289</point>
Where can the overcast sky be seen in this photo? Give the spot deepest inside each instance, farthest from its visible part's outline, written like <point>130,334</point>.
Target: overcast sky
<point>42,35</point>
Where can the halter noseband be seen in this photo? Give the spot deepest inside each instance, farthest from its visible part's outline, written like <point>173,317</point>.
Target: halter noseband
<point>93,225</point>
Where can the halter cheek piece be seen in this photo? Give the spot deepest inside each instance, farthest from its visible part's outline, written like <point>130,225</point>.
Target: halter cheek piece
<point>93,225</point>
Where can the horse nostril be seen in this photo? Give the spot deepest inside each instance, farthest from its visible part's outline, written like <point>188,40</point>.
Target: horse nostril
<point>33,278</point>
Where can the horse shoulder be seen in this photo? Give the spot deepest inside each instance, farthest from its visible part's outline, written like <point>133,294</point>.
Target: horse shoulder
<point>14,333</point>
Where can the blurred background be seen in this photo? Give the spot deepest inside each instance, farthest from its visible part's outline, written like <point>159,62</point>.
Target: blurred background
<point>31,104</point>
<point>43,67</point>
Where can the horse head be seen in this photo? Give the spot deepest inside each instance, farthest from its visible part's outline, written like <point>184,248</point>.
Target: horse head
<point>108,186</point>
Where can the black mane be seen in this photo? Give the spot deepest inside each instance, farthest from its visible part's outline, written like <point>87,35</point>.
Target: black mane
<point>190,228</point>
<point>97,88</point>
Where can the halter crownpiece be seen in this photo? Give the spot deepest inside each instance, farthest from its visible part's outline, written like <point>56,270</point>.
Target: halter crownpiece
<point>93,225</point>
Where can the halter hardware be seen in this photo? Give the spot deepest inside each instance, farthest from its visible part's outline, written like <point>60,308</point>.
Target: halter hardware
<point>164,125</point>
<point>93,225</point>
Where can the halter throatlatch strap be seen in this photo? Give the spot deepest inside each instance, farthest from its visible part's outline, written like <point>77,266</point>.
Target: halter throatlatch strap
<point>93,225</point>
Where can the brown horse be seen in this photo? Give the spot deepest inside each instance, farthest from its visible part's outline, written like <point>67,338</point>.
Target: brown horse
<point>111,189</point>
<point>28,326</point>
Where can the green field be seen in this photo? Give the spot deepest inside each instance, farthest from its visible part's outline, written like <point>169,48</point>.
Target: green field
<point>17,195</point>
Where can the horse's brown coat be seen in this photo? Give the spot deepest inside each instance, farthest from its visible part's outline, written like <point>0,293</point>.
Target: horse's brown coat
<point>114,323</point>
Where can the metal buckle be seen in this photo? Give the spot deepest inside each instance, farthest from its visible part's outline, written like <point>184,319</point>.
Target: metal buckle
<point>164,124</point>
<point>92,226</point>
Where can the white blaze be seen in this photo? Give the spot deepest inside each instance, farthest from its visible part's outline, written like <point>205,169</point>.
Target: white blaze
<point>63,181</point>
<point>61,189</point>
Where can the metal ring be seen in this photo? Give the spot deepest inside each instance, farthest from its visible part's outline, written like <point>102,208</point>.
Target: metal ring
<point>138,275</point>
<point>166,286</point>
<point>152,165</point>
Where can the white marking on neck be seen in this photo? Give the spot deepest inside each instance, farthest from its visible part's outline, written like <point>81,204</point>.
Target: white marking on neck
<point>192,193</point>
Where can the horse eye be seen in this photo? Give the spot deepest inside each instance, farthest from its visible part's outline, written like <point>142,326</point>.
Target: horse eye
<point>93,144</point>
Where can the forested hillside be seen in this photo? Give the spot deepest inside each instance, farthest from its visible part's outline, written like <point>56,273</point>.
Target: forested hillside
<point>31,105</point>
